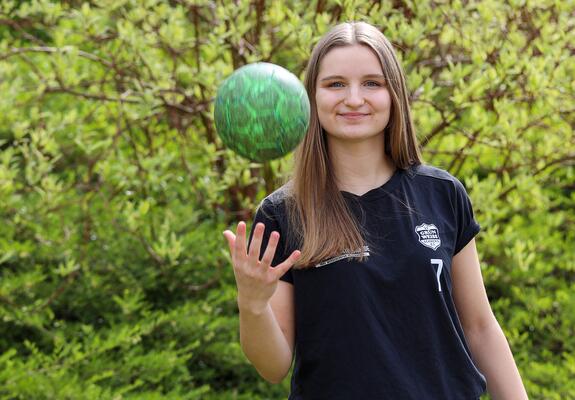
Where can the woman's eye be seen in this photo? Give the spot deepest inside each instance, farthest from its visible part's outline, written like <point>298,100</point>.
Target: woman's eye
<point>372,83</point>
<point>335,84</point>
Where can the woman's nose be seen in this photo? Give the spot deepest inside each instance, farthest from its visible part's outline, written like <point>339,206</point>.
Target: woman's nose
<point>354,97</point>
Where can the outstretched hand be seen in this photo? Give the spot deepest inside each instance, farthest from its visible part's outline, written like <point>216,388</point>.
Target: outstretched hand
<point>256,279</point>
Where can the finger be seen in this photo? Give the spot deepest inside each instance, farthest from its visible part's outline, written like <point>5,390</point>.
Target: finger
<point>240,245</point>
<point>282,268</point>
<point>256,244</point>
<point>230,238</point>
<point>270,249</point>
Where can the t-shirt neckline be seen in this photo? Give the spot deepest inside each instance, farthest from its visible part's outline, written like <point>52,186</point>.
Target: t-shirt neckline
<point>383,190</point>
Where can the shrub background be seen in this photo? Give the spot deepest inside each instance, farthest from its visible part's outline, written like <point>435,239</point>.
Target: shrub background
<point>115,281</point>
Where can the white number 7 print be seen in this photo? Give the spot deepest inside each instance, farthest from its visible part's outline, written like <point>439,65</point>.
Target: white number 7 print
<point>439,263</point>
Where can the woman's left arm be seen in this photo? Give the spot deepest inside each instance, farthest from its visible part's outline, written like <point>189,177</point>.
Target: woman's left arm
<point>484,336</point>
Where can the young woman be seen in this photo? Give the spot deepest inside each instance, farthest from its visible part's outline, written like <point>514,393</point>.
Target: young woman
<point>385,299</point>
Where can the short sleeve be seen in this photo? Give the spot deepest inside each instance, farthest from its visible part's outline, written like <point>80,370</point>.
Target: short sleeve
<point>467,226</point>
<point>267,214</point>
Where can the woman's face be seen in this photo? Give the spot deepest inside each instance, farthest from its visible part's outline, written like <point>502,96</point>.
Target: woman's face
<point>352,99</point>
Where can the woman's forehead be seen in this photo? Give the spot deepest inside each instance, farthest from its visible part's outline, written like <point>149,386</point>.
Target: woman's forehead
<point>349,61</point>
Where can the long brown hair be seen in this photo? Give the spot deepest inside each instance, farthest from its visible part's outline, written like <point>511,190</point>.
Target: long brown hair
<point>318,213</point>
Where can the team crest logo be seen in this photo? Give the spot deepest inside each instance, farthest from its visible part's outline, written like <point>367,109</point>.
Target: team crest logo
<point>428,235</point>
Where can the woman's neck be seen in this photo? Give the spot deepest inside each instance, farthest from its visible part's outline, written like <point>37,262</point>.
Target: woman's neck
<point>360,166</point>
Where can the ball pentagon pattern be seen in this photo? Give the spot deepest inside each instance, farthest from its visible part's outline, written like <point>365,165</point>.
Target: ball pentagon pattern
<point>261,111</point>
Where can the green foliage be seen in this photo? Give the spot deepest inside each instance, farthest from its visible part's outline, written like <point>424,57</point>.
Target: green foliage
<point>114,189</point>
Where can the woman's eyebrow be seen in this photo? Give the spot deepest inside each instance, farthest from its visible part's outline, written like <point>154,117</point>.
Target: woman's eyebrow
<point>331,77</point>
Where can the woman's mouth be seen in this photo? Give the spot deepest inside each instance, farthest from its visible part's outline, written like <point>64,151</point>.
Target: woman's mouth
<point>353,116</point>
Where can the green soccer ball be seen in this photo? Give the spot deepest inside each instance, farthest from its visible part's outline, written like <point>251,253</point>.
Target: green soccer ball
<point>262,111</point>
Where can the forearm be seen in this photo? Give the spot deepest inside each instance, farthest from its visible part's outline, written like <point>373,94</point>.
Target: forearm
<point>264,344</point>
<point>494,359</point>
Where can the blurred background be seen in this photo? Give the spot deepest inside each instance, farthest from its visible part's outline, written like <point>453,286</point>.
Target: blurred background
<point>115,279</point>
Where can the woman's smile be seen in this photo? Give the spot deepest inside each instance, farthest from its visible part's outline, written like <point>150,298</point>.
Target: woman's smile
<point>353,116</point>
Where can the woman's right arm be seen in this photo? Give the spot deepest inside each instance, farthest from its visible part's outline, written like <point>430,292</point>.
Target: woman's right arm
<point>267,337</point>
<point>265,303</point>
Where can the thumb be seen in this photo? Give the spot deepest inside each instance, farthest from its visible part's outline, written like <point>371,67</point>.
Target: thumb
<point>284,267</point>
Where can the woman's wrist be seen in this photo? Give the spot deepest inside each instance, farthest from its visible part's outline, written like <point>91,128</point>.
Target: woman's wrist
<point>250,306</point>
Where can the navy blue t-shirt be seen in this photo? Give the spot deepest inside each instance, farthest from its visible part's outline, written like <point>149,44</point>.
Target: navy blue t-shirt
<point>385,328</point>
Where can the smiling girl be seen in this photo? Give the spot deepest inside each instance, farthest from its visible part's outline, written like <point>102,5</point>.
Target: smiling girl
<point>363,267</point>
